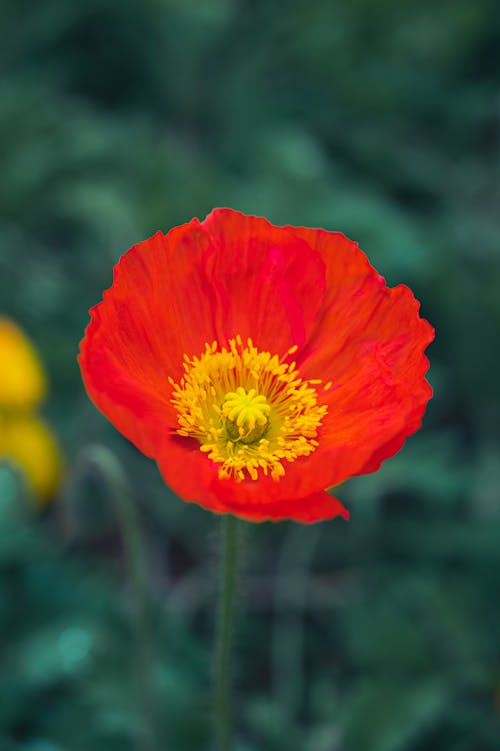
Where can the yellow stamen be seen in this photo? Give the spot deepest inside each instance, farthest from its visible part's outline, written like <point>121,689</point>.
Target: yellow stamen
<point>250,410</point>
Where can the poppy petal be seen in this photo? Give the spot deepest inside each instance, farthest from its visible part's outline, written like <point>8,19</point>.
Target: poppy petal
<point>368,345</point>
<point>267,284</point>
<point>313,508</point>
<point>195,479</point>
<point>137,336</point>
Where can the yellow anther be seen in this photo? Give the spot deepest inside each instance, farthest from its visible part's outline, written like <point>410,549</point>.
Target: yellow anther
<point>250,411</point>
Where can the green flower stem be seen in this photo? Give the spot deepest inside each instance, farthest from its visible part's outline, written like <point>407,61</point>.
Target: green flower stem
<point>103,461</point>
<point>224,635</point>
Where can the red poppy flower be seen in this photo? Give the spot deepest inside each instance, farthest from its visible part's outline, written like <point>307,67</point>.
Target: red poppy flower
<point>258,365</point>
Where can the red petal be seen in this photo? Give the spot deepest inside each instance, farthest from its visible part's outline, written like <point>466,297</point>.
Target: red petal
<point>316,507</point>
<point>369,343</point>
<point>267,283</point>
<point>194,478</point>
<point>138,334</point>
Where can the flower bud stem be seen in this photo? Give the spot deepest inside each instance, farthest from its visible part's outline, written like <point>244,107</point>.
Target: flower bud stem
<point>107,466</point>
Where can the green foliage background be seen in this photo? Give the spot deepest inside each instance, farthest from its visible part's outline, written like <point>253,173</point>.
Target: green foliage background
<point>380,119</point>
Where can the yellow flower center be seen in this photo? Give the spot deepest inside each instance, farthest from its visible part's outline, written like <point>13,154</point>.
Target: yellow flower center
<point>250,410</point>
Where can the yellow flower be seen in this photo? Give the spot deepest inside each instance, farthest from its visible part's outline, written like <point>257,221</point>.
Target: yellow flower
<point>22,378</point>
<point>26,441</point>
<point>29,444</point>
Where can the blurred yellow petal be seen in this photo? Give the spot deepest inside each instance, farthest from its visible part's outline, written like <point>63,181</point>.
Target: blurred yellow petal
<point>22,378</point>
<point>29,444</point>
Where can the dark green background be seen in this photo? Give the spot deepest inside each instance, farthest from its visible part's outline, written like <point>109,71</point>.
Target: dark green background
<point>379,119</point>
